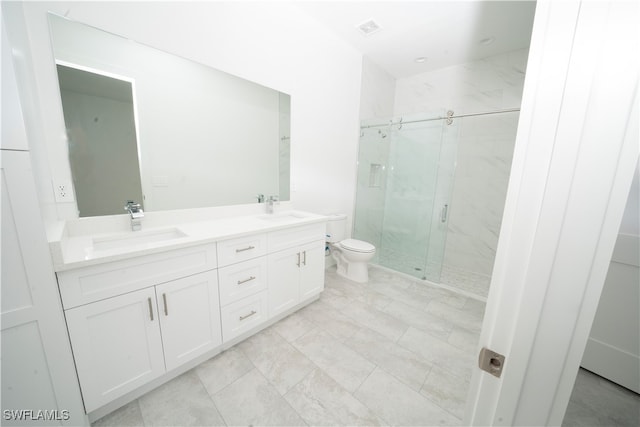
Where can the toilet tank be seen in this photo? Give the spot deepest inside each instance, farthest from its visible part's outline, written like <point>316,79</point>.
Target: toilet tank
<point>336,228</point>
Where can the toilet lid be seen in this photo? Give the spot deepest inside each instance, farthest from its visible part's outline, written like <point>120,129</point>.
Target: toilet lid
<point>357,245</point>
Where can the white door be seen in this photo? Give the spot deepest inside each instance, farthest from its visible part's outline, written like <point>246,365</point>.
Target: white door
<point>284,280</point>
<point>575,154</point>
<point>37,364</point>
<point>117,346</point>
<point>189,314</point>
<point>312,269</point>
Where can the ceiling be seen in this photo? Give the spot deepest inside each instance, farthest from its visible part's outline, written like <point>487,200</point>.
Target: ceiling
<point>443,32</point>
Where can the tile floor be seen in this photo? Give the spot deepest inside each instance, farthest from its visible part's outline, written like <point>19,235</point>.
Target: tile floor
<point>596,401</point>
<point>396,351</point>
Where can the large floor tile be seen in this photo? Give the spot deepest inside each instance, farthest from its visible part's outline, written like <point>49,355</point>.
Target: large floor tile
<point>405,365</point>
<point>386,277</point>
<point>252,400</point>
<point>437,293</point>
<point>360,292</point>
<point>447,390</point>
<point>341,363</point>
<point>597,395</point>
<point>281,363</point>
<point>223,369</point>
<point>321,401</point>
<point>294,326</point>
<point>439,352</point>
<point>330,320</point>
<point>379,321</point>
<point>406,295</point>
<point>466,318</point>
<point>420,319</point>
<point>128,415</point>
<point>182,401</point>
<point>399,405</point>
<point>463,339</point>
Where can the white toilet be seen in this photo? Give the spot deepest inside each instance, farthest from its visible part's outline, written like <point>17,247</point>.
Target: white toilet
<point>351,255</point>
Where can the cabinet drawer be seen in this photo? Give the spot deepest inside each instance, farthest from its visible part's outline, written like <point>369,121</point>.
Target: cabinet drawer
<point>241,280</point>
<point>241,249</point>
<point>90,284</point>
<point>290,237</point>
<point>242,316</point>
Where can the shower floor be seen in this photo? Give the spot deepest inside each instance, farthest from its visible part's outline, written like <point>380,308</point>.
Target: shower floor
<point>469,282</point>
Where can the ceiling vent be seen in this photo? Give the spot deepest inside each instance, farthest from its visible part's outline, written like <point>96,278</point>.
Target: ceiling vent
<point>369,27</point>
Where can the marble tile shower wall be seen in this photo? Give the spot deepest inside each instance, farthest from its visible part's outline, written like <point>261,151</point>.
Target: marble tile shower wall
<point>484,149</point>
<point>489,84</point>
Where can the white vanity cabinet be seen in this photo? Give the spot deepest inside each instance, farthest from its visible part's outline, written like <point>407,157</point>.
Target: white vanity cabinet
<point>123,342</point>
<point>137,322</point>
<point>296,266</point>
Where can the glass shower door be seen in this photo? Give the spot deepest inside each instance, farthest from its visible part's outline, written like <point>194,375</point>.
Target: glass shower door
<point>404,183</point>
<point>442,206</point>
<point>422,161</point>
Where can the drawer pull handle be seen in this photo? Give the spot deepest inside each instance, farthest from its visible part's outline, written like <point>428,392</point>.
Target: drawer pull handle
<point>248,315</point>
<point>240,282</point>
<point>248,248</point>
<point>298,263</point>
<point>150,308</point>
<point>304,258</point>
<point>164,299</point>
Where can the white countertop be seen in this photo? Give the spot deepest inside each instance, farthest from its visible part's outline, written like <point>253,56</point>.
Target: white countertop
<point>75,251</point>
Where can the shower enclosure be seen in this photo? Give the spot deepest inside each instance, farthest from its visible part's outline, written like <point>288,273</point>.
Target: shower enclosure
<point>430,193</point>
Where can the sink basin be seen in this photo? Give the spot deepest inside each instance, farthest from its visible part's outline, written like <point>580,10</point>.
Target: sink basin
<point>136,238</point>
<point>283,216</point>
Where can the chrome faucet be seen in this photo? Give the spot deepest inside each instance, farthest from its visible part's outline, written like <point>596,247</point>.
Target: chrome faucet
<point>136,212</point>
<point>260,198</point>
<point>270,202</point>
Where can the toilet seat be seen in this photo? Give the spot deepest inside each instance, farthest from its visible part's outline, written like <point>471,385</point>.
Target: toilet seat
<point>357,246</point>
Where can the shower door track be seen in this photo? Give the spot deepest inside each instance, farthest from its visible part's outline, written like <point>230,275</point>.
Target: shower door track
<point>448,117</point>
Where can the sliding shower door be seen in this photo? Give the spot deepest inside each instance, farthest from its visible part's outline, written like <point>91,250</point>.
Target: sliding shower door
<point>405,172</point>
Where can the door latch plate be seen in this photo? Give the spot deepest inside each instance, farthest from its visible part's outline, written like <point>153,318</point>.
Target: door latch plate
<point>491,362</point>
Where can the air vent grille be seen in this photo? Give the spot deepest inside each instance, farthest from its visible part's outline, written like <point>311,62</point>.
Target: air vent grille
<point>369,27</point>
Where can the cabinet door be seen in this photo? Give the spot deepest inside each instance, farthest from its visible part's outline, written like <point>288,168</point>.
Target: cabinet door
<point>189,314</point>
<point>117,346</point>
<point>312,269</point>
<point>284,278</point>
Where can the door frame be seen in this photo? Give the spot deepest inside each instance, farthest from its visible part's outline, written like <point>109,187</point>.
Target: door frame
<point>575,155</point>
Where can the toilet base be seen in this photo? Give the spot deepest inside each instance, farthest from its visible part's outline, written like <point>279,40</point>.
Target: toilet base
<point>355,271</point>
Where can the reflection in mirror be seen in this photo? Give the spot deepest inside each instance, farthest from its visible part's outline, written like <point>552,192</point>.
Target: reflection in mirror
<point>204,137</point>
<point>103,153</point>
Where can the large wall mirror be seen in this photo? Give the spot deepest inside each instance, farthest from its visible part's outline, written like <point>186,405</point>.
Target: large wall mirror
<point>164,131</point>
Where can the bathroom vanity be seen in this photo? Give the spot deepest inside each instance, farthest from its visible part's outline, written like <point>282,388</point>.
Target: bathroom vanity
<point>142,307</point>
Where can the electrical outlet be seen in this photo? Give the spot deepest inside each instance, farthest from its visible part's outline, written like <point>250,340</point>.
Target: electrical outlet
<point>63,191</point>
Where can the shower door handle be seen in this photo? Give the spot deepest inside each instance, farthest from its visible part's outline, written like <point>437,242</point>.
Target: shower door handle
<point>443,213</point>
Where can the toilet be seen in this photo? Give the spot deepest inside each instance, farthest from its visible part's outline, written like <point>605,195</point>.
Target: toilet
<point>351,255</point>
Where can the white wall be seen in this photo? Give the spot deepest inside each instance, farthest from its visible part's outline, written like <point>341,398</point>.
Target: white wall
<point>378,91</point>
<point>273,44</point>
